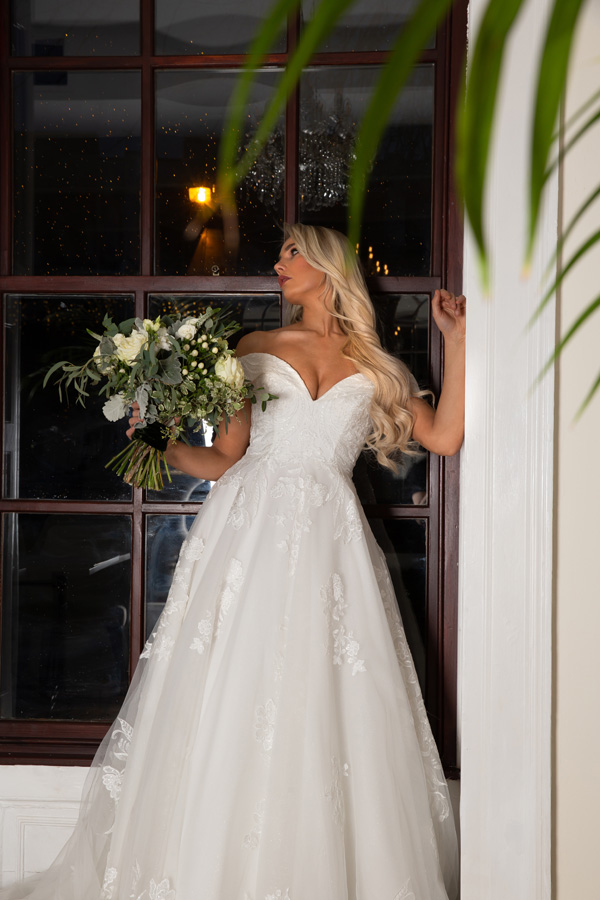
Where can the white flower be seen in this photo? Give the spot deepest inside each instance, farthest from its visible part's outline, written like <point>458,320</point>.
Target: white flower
<point>129,347</point>
<point>102,362</point>
<point>229,369</point>
<point>149,325</point>
<point>162,338</point>
<point>187,330</point>
<point>116,407</point>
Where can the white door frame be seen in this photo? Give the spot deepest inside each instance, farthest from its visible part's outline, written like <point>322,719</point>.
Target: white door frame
<point>505,643</point>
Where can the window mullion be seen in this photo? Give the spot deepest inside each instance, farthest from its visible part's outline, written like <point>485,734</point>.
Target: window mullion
<point>147,138</point>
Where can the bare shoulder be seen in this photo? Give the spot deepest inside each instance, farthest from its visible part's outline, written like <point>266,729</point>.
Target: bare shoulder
<point>259,341</point>
<point>250,343</point>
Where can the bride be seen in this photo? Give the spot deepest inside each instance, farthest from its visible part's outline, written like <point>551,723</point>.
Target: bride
<point>274,744</point>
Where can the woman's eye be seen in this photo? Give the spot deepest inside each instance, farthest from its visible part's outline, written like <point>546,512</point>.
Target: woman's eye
<point>293,251</point>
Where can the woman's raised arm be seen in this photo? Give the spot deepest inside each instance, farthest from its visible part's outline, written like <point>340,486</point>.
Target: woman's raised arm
<point>441,430</point>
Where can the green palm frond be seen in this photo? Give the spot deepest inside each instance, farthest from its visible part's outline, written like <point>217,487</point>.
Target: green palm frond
<point>394,75</point>
<point>232,170</point>
<point>476,116</point>
<point>552,78</point>
<point>569,228</point>
<point>579,253</point>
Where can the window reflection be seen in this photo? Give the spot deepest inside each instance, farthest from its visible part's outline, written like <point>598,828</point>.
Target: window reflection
<point>403,326</point>
<point>367,25</point>
<point>53,450</point>
<point>201,26</point>
<point>164,537</point>
<point>65,616</point>
<point>397,219</point>
<point>76,173</point>
<point>190,113</point>
<point>404,542</point>
<point>75,28</point>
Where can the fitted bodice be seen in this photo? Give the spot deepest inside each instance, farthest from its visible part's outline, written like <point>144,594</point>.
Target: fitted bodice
<point>295,427</point>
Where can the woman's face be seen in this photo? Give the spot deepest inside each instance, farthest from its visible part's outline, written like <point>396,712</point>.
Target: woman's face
<point>298,280</point>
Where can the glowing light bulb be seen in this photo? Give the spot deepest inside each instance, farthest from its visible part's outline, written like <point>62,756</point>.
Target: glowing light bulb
<point>199,194</point>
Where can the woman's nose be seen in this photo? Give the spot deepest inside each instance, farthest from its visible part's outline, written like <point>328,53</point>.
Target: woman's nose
<point>278,267</point>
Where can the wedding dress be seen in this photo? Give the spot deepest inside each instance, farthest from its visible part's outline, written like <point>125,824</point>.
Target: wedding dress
<point>274,744</point>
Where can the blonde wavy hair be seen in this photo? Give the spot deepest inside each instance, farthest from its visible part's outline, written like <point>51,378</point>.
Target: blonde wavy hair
<point>346,297</point>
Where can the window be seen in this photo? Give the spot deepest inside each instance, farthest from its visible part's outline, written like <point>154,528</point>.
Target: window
<point>109,119</point>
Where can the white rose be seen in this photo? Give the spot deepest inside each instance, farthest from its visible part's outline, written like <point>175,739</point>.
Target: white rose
<point>129,347</point>
<point>229,369</point>
<point>115,408</point>
<point>186,331</point>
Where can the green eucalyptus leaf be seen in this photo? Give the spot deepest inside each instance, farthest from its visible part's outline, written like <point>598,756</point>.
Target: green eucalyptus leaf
<point>52,370</point>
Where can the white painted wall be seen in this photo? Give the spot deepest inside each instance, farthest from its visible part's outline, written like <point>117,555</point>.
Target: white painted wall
<point>577,657</point>
<point>38,808</point>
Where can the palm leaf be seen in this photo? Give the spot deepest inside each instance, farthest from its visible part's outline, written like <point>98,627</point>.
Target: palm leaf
<point>569,228</point>
<point>588,397</point>
<point>587,245</point>
<point>579,321</point>
<point>577,114</point>
<point>552,77</point>
<point>396,71</point>
<point>476,116</point>
<point>228,148</point>
<point>232,170</point>
<point>571,143</point>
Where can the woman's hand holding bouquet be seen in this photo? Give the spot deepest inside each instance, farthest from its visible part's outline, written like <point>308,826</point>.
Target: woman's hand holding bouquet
<point>181,374</point>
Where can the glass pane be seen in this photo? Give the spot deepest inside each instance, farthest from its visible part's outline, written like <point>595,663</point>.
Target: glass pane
<point>200,26</point>
<point>403,324</point>
<point>397,219</point>
<point>254,312</point>
<point>77,173</point>
<point>51,450</point>
<point>75,28</point>
<point>404,542</point>
<point>368,24</point>
<point>65,616</point>
<point>190,110</point>
<point>164,537</point>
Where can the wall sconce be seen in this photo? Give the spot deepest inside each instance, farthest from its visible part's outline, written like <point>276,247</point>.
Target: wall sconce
<point>199,194</point>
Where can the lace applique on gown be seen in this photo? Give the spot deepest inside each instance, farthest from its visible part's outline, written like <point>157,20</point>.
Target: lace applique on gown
<point>274,742</point>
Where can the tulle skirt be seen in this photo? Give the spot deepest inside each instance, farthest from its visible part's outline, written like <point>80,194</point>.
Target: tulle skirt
<point>273,744</point>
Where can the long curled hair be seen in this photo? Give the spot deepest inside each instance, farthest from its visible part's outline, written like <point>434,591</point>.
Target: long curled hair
<point>346,297</point>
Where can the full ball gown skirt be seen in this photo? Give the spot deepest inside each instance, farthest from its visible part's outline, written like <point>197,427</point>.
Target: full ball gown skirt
<point>273,744</point>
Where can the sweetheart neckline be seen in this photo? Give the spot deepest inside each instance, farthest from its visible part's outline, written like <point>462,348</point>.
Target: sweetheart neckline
<point>299,376</point>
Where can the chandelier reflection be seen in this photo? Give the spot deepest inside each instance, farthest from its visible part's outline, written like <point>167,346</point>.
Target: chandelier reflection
<point>326,153</point>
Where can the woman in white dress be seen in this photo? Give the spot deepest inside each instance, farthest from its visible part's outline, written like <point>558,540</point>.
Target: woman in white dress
<point>274,744</point>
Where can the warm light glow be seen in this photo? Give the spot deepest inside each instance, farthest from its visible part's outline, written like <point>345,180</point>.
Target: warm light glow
<point>199,194</point>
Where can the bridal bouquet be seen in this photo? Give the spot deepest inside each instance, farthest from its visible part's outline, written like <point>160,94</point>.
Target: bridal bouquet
<point>180,372</point>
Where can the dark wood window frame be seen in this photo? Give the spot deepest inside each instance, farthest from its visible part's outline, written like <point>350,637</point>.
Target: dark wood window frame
<point>62,742</point>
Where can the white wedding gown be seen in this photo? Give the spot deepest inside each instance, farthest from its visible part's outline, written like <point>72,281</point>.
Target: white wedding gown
<point>274,744</point>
